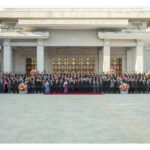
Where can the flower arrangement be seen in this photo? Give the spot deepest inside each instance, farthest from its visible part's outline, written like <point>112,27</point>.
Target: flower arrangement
<point>112,71</point>
<point>124,87</point>
<point>23,87</point>
<point>34,72</point>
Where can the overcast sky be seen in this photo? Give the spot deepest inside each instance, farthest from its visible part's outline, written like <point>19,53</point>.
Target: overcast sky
<point>74,3</point>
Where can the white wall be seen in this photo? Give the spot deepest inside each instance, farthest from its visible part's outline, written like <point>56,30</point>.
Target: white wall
<point>131,59</point>
<point>147,59</point>
<point>73,38</point>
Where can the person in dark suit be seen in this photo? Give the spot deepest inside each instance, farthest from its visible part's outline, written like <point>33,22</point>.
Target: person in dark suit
<point>13,86</point>
<point>33,86</point>
<point>16,85</point>
<point>43,86</point>
<point>61,86</point>
<point>100,86</point>
<point>90,86</point>
<point>140,86</point>
<point>104,85</point>
<point>57,86</point>
<point>36,85</point>
<point>144,85</point>
<point>79,86</point>
<point>136,86</point>
<point>29,86</point>
<point>148,86</point>
<point>118,86</point>
<point>40,86</point>
<point>94,86</point>
<point>1,86</point>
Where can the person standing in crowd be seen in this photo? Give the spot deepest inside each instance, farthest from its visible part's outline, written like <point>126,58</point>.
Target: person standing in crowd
<point>1,86</point>
<point>65,87</point>
<point>97,86</point>
<point>61,86</point>
<point>33,86</point>
<point>79,85</point>
<point>5,86</point>
<point>76,82</point>
<point>43,86</point>
<point>100,86</point>
<point>111,86</point>
<point>118,86</point>
<point>47,89</point>
<point>29,86</point>
<point>94,86</point>
<point>57,86</point>
<point>148,86</point>
<point>144,85</point>
<point>9,86</point>
<point>13,85</point>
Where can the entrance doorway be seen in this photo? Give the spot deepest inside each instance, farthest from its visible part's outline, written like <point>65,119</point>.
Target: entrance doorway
<point>30,64</point>
<point>116,64</point>
<point>73,65</point>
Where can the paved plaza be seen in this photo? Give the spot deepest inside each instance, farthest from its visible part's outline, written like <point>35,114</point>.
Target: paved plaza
<point>74,118</point>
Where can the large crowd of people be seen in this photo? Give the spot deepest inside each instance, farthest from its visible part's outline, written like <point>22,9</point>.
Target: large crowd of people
<point>75,83</point>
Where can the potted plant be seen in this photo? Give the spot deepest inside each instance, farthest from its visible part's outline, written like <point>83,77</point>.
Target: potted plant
<point>124,87</point>
<point>23,88</point>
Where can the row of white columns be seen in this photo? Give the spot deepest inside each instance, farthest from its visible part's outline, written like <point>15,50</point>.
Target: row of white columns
<point>7,56</point>
<point>139,61</point>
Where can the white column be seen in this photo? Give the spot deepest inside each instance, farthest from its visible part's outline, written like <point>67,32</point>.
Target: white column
<point>106,56</point>
<point>7,56</point>
<point>100,61</point>
<point>40,56</point>
<point>139,66</point>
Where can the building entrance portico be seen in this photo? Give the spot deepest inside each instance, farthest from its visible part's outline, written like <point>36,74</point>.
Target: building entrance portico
<point>77,36</point>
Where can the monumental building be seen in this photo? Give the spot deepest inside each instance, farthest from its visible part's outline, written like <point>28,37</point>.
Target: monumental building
<point>74,40</point>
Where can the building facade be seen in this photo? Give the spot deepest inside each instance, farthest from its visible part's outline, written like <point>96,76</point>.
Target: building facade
<point>74,40</point>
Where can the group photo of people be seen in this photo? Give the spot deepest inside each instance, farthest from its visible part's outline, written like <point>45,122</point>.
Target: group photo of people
<point>74,83</point>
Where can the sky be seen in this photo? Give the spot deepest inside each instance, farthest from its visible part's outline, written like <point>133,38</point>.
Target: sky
<point>75,4</point>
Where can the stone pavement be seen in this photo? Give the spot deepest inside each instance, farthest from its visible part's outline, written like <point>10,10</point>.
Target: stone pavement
<point>74,118</point>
